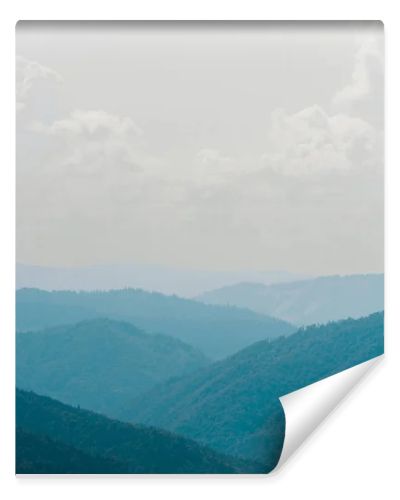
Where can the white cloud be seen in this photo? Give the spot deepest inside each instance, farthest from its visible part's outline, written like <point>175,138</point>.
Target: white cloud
<point>94,142</point>
<point>313,142</point>
<point>346,138</point>
<point>95,164</point>
<point>28,73</point>
<point>92,122</point>
<point>368,61</point>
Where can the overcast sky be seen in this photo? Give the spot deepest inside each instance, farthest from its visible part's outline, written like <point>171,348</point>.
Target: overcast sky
<point>225,148</point>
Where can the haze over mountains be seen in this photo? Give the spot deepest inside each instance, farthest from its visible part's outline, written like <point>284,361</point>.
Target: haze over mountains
<point>182,282</point>
<point>217,331</point>
<point>100,364</point>
<point>318,300</point>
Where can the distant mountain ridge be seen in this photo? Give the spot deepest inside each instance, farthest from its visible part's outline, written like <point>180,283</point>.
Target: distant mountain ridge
<point>217,331</point>
<point>233,406</point>
<point>318,300</point>
<point>182,282</point>
<point>100,363</point>
<point>71,440</point>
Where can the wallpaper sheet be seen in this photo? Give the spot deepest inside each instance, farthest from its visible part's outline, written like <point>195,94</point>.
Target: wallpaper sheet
<point>200,226</point>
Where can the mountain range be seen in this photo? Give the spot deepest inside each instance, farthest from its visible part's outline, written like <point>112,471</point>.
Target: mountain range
<point>233,406</point>
<point>54,438</point>
<point>99,364</point>
<point>153,278</point>
<point>144,382</point>
<point>305,302</point>
<point>217,331</point>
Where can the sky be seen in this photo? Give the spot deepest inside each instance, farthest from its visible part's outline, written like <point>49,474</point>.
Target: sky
<point>218,147</point>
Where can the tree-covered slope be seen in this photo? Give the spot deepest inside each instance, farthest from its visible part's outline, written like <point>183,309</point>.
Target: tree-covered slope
<point>216,330</point>
<point>99,364</point>
<point>232,405</point>
<point>38,454</point>
<point>306,302</point>
<point>88,442</point>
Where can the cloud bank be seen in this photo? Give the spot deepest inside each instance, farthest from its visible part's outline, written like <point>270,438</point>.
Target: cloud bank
<point>101,183</point>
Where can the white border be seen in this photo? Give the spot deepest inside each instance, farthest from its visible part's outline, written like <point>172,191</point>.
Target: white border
<point>355,452</point>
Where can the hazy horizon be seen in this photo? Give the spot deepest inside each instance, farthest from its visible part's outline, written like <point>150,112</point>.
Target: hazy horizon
<point>170,281</point>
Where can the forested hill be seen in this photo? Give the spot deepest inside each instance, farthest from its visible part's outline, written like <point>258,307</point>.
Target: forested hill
<point>318,300</point>
<point>70,440</point>
<point>217,331</point>
<point>233,405</point>
<point>100,363</point>
<point>38,454</point>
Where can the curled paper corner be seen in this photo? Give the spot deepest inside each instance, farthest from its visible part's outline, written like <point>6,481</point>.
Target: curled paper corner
<point>308,407</point>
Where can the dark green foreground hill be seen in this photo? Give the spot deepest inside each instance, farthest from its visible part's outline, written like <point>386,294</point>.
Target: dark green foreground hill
<point>56,438</point>
<point>100,364</point>
<point>38,454</point>
<point>233,405</point>
<point>217,331</point>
